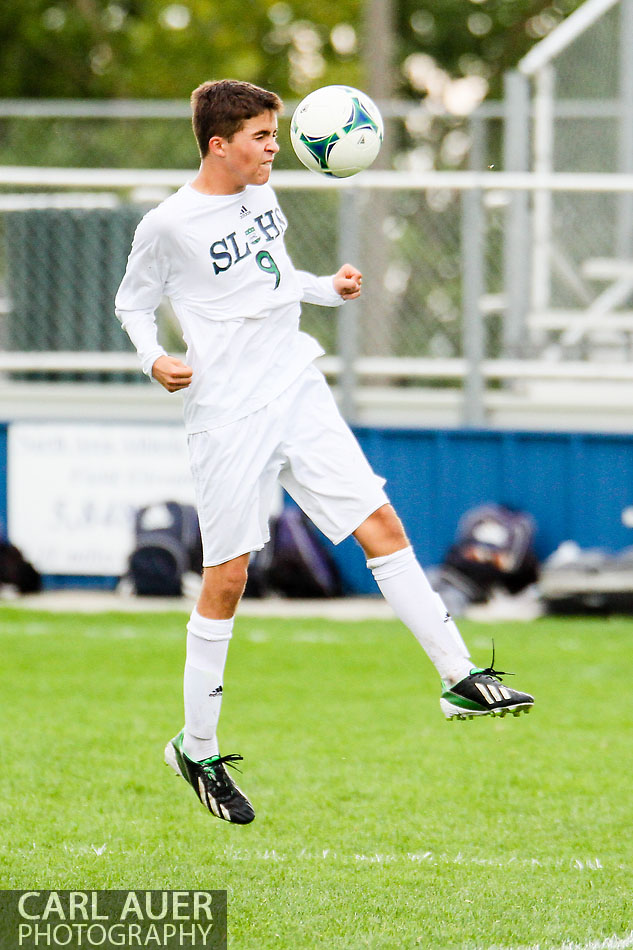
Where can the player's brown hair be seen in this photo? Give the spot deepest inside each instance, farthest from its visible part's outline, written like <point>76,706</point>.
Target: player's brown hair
<point>223,106</point>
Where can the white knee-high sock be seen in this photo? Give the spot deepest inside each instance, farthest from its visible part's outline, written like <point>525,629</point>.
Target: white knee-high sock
<point>405,587</point>
<point>207,647</point>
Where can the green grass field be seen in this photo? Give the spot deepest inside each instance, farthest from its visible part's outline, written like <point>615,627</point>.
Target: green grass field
<point>379,824</point>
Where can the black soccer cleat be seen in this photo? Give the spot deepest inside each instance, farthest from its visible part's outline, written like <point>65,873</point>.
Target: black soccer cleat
<point>482,693</point>
<point>211,782</point>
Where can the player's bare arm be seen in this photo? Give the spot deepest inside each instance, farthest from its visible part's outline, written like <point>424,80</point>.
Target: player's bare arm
<point>347,282</point>
<point>172,373</point>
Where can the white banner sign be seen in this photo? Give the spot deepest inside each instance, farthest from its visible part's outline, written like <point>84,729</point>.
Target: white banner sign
<point>73,490</point>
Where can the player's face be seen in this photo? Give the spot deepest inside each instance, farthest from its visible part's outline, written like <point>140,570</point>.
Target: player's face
<point>250,153</point>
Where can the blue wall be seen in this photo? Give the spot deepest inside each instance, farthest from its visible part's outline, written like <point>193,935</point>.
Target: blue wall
<point>575,486</point>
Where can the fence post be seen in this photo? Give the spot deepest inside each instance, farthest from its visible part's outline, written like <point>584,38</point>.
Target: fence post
<point>478,154</point>
<point>347,325</point>
<point>542,201</point>
<point>473,330</point>
<point>516,263</point>
<point>624,235</point>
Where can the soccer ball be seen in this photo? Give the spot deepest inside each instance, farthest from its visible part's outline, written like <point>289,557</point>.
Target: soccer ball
<point>337,131</point>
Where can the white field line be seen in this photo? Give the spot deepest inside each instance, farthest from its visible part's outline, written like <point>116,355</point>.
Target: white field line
<point>330,855</point>
<point>609,943</point>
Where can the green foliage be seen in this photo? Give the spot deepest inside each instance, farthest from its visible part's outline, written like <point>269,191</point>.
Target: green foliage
<point>379,824</point>
<point>158,49</point>
<point>484,37</point>
<point>111,143</point>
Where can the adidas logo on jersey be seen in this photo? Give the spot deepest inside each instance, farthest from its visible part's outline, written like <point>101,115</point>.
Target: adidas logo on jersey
<point>244,212</point>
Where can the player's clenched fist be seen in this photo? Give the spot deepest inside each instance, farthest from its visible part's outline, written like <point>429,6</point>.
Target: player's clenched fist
<point>172,373</point>
<point>347,282</point>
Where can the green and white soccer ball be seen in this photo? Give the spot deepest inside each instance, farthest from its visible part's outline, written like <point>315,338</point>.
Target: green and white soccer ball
<point>337,131</point>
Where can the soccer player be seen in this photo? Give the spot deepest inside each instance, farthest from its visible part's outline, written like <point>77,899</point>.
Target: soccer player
<point>258,411</point>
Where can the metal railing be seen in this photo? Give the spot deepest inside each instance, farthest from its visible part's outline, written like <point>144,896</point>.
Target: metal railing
<point>447,318</point>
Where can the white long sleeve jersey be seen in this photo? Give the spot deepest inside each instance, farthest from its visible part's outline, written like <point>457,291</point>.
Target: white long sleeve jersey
<point>222,262</point>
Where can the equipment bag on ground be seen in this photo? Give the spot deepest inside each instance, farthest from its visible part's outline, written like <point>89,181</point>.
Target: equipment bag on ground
<point>167,546</point>
<point>493,549</point>
<point>295,562</point>
<point>16,572</point>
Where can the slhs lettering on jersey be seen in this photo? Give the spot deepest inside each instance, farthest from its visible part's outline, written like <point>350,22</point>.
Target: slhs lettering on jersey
<point>227,251</point>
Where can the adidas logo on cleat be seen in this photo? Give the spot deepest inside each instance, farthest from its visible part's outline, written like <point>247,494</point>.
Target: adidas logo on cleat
<point>493,693</point>
<point>482,693</point>
<point>211,782</point>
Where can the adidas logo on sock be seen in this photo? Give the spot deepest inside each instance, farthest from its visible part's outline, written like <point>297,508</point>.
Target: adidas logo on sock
<point>216,692</point>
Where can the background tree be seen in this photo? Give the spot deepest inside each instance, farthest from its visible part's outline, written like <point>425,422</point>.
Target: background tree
<point>162,48</point>
<point>443,55</point>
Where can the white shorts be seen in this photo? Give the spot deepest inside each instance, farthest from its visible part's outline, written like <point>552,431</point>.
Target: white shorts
<point>299,440</point>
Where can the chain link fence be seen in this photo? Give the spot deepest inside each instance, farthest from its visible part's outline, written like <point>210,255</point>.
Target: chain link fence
<point>60,268</point>
<point>431,330</point>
